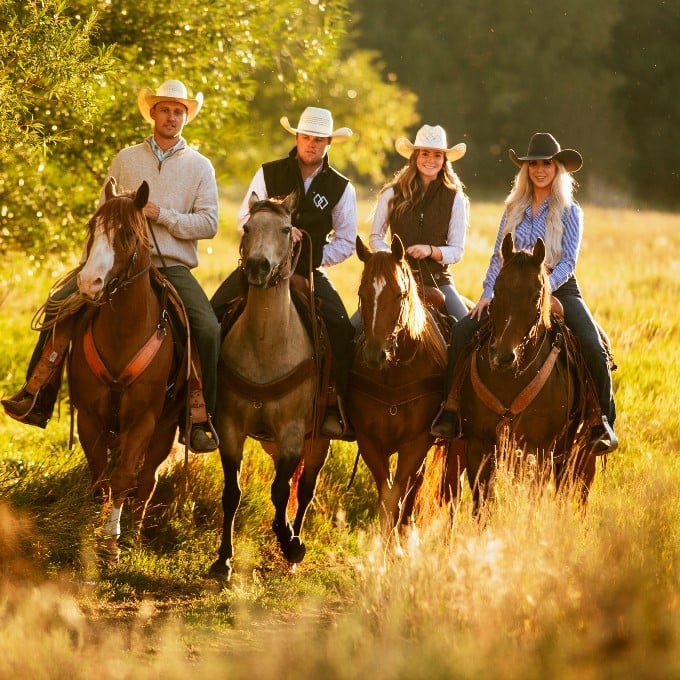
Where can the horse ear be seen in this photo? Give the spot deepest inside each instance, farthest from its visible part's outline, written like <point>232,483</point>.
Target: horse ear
<point>110,189</point>
<point>539,251</point>
<point>252,199</point>
<point>290,201</point>
<point>142,195</point>
<point>397,247</point>
<point>508,247</point>
<point>363,253</point>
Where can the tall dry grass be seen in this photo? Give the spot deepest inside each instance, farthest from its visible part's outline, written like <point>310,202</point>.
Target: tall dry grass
<point>540,590</point>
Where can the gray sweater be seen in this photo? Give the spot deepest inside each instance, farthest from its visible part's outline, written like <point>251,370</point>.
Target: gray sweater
<point>184,188</point>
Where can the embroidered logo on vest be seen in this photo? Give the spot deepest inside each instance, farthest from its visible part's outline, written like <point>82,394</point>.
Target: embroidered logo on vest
<point>320,201</point>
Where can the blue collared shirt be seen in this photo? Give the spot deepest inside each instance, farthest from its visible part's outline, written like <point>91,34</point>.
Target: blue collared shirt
<point>528,231</point>
<point>159,153</point>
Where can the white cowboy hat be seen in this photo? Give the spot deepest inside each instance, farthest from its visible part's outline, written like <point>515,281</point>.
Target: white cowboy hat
<point>430,137</point>
<point>317,123</point>
<point>169,91</point>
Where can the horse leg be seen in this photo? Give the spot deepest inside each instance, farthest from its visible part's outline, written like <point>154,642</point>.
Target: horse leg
<point>454,466</point>
<point>378,462</point>
<point>577,472</point>
<point>480,467</point>
<point>95,448</point>
<point>231,457</point>
<point>314,458</point>
<point>408,477</point>
<point>292,547</point>
<point>159,448</point>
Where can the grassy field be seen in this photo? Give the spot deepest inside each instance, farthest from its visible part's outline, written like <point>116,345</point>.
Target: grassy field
<point>540,592</point>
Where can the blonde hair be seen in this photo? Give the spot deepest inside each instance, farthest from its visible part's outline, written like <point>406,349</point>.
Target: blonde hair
<point>561,197</point>
<point>409,188</point>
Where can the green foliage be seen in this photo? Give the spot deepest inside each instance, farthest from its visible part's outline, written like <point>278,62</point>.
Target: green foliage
<point>645,55</point>
<point>601,76</point>
<point>253,62</point>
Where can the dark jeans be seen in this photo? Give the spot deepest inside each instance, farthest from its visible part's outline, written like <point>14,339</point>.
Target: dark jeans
<point>580,321</point>
<point>331,308</point>
<point>205,329</point>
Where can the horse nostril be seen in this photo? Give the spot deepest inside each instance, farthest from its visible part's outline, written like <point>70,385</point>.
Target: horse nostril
<point>257,267</point>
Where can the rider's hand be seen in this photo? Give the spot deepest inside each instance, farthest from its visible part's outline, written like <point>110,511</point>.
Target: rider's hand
<point>297,235</point>
<point>479,308</point>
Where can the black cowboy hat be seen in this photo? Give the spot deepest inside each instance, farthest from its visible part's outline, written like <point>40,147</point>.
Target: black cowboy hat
<point>544,146</point>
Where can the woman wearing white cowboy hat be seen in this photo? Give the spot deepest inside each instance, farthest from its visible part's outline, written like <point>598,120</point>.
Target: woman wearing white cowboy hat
<point>541,205</point>
<point>425,204</point>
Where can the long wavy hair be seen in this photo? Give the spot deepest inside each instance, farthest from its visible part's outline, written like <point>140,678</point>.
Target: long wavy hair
<point>409,188</point>
<point>561,197</point>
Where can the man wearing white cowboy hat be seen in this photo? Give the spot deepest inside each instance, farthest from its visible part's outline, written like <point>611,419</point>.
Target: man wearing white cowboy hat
<point>182,208</point>
<point>326,210</point>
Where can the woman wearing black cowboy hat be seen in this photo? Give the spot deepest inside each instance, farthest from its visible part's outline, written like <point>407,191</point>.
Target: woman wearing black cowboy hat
<point>541,205</point>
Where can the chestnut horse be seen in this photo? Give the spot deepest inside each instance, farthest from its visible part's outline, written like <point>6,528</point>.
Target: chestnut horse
<point>397,381</point>
<point>267,383</point>
<point>122,361</point>
<point>523,386</point>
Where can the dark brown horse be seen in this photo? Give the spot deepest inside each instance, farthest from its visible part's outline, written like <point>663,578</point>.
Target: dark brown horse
<point>268,382</point>
<point>522,388</point>
<point>122,360</point>
<point>397,381</point>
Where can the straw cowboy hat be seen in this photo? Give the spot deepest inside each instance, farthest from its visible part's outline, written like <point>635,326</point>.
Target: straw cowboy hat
<point>430,137</point>
<point>543,146</point>
<point>317,123</point>
<point>169,91</point>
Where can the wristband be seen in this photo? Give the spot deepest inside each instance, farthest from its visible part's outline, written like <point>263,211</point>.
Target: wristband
<point>431,251</point>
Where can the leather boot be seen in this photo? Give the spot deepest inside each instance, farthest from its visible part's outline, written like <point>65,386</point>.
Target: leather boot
<point>335,423</point>
<point>32,409</point>
<point>603,439</point>
<point>447,425</point>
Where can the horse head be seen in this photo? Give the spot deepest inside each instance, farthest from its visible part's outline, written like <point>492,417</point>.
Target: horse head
<point>267,241</point>
<point>520,307</point>
<point>388,299</point>
<point>116,235</point>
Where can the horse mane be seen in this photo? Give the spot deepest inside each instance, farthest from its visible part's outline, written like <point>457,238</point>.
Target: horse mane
<point>120,214</point>
<point>524,260</point>
<point>272,204</point>
<point>417,323</point>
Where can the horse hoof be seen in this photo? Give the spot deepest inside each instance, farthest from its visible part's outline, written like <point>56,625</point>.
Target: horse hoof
<point>283,532</point>
<point>221,570</point>
<point>295,551</point>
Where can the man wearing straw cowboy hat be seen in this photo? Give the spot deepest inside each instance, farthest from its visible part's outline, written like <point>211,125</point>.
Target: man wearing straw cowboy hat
<point>327,211</point>
<point>182,208</point>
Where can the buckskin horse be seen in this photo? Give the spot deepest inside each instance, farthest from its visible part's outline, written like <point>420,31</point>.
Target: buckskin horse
<point>396,382</point>
<point>268,379</point>
<point>122,364</point>
<point>522,389</point>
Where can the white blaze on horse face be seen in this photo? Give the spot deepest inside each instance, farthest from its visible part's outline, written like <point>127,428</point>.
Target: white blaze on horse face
<point>92,277</point>
<point>378,287</point>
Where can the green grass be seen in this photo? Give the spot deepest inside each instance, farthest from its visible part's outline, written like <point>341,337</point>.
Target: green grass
<point>541,591</point>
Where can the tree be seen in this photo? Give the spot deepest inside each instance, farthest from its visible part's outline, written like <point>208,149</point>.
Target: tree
<point>644,54</point>
<point>250,59</point>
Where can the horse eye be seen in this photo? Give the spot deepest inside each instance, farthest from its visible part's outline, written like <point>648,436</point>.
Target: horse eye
<point>246,228</point>
<point>286,231</point>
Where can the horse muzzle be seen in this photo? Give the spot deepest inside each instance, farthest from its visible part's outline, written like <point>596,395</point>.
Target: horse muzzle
<point>501,359</point>
<point>375,356</point>
<point>258,271</point>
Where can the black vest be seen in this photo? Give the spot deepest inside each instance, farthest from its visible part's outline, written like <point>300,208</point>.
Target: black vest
<point>313,211</point>
<point>428,223</point>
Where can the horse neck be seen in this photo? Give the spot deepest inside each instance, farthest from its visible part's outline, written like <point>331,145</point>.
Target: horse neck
<point>269,313</point>
<point>132,308</point>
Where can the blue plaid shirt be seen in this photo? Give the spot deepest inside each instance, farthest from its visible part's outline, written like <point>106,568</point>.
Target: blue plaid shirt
<point>528,231</point>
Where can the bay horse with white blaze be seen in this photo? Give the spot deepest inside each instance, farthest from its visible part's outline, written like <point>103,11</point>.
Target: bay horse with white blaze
<point>268,380</point>
<point>122,362</point>
<point>523,388</point>
<point>397,382</point>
